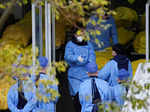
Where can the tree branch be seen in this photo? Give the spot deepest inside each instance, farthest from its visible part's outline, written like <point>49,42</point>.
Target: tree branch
<point>7,13</point>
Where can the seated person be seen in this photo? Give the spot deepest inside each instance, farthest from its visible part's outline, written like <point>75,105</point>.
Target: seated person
<point>119,91</point>
<point>120,61</point>
<point>78,53</point>
<point>93,91</point>
<point>19,98</point>
<point>43,106</point>
<point>106,34</point>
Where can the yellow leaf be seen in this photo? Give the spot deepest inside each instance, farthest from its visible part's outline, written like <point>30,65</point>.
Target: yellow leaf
<point>57,17</point>
<point>45,99</point>
<point>87,98</point>
<point>96,41</point>
<point>78,32</point>
<point>104,2</point>
<point>98,32</point>
<point>114,13</point>
<point>2,6</point>
<point>93,22</point>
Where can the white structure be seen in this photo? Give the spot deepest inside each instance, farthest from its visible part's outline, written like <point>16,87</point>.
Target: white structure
<point>49,31</point>
<point>147,30</point>
<point>142,75</point>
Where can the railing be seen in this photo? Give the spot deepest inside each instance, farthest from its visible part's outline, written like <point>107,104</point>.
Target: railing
<point>49,31</point>
<point>147,30</point>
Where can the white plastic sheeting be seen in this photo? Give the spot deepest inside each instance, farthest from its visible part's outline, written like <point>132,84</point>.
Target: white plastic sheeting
<point>142,77</point>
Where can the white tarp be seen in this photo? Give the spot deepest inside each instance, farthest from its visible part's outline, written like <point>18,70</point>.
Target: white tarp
<point>142,77</point>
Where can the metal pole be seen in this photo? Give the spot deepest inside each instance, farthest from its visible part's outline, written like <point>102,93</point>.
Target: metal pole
<point>147,32</point>
<point>49,31</point>
<point>53,36</point>
<point>46,31</point>
<point>33,37</point>
<point>40,31</point>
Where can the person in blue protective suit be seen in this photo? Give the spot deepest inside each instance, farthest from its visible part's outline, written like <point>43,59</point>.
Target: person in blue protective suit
<point>94,91</point>
<point>108,30</point>
<point>19,98</point>
<point>119,63</point>
<point>42,106</point>
<point>119,91</point>
<point>78,53</point>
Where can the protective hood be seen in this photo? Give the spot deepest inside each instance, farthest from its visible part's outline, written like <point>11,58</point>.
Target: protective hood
<point>122,61</point>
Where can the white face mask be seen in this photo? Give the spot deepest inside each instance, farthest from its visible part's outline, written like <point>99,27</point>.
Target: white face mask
<point>80,38</point>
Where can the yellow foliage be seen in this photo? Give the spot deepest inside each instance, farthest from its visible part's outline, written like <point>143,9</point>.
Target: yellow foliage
<point>60,34</point>
<point>124,35</point>
<point>78,32</point>
<point>5,84</point>
<point>125,16</point>
<point>136,63</point>
<point>98,32</point>
<point>93,22</point>
<point>139,43</point>
<point>19,33</point>
<point>8,55</point>
<point>103,57</point>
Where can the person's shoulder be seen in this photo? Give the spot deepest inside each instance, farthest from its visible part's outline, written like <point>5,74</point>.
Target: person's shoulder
<point>70,43</point>
<point>92,17</point>
<point>129,61</point>
<point>112,62</point>
<point>43,76</point>
<point>14,87</point>
<point>110,17</point>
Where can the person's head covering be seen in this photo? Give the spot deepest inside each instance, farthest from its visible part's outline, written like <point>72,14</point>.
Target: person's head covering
<point>123,74</point>
<point>76,38</point>
<point>80,26</point>
<point>43,61</point>
<point>92,67</point>
<point>118,48</point>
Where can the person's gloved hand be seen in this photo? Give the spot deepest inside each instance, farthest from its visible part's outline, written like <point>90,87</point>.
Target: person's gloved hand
<point>80,59</point>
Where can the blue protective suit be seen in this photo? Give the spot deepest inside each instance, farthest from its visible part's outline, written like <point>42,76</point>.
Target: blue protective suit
<point>109,72</point>
<point>41,106</point>
<point>77,71</point>
<point>12,99</point>
<point>106,34</point>
<point>85,93</point>
<point>118,92</point>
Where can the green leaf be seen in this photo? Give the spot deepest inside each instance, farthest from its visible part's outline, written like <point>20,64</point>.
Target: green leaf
<point>25,1</point>
<point>93,22</point>
<point>2,6</point>
<point>131,1</point>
